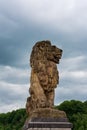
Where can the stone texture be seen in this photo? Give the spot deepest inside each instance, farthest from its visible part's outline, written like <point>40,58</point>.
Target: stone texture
<point>47,113</point>
<point>48,125</point>
<point>44,76</point>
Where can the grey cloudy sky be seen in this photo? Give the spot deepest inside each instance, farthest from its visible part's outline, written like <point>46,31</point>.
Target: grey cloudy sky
<point>22,24</point>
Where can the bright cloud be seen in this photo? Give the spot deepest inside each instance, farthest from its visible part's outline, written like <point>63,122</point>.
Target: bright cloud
<point>12,96</point>
<point>14,75</point>
<point>14,85</point>
<point>73,79</point>
<point>73,67</point>
<point>71,92</point>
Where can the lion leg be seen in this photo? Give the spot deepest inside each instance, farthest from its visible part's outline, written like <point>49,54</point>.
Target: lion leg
<point>29,105</point>
<point>37,91</point>
<point>50,98</point>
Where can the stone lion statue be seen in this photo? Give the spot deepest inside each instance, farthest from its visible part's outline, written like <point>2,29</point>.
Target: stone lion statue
<point>44,75</point>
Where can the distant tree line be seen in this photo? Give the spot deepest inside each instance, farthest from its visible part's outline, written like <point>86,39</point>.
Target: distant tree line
<point>76,112</point>
<point>13,120</point>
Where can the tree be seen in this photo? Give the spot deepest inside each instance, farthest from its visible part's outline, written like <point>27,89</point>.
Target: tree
<point>76,112</point>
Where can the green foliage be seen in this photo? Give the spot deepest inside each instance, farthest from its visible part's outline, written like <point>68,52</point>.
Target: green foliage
<point>71,107</point>
<point>76,112</point>
<point>13,120</point>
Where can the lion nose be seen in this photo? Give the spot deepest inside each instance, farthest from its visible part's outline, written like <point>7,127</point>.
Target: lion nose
<point>61,50</point>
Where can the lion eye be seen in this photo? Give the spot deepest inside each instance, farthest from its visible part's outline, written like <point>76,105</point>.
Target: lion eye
<point>54,46</point>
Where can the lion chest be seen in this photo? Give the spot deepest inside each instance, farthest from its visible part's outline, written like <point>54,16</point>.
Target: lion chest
<point>48,75</point>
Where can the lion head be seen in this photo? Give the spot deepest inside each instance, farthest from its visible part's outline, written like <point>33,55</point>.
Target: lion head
<point>44,52</point>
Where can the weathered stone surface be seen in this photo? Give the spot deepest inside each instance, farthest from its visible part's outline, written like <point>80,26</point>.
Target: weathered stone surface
<point>47,113</point>
<point>44,76</point>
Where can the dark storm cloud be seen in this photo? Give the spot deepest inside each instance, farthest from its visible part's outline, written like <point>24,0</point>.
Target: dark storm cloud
<point>7,53</point>
<point>21,28</point>
<point>14,50</point>
<point>12,93</point>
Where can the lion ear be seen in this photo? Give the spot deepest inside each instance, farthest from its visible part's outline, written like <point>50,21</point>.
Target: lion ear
<point>41,48</point>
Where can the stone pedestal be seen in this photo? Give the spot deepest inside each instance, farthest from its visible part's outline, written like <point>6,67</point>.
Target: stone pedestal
<point>48,124</point>
<point>43,81</point>
<point>47,119</point>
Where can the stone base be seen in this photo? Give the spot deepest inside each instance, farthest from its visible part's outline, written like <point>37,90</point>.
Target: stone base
<point>47,113</point>
<point>48,124</point>
<point>47,119</point>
